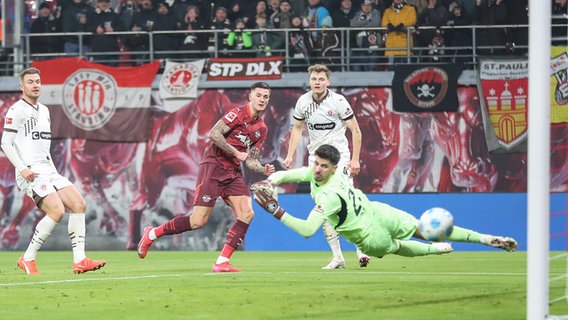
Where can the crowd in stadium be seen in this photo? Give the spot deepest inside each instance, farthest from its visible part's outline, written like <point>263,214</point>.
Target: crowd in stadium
<point>249,27</point>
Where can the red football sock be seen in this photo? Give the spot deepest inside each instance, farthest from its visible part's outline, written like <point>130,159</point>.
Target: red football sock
<point>235,237</point>
<point>177,225</point>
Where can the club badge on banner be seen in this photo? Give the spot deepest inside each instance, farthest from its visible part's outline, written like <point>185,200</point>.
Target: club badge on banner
<point>503,86</point>
<point>93,101</point>
<point>180,80</point>
<point>559,85</point>
<point>423,88</point>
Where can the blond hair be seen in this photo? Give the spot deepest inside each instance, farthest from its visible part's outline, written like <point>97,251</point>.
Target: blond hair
<point>317,68</point>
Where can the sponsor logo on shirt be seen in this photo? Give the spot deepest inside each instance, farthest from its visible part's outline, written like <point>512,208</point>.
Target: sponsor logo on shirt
<point>36,135</point>
<point>319,209</point>
<point>244,139</point>
<point>321,126</point>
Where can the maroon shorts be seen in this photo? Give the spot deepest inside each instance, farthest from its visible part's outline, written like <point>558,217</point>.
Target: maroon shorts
<point>214,182</point>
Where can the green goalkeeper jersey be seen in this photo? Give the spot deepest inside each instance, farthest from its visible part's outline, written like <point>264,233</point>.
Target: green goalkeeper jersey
<point>371,226</point>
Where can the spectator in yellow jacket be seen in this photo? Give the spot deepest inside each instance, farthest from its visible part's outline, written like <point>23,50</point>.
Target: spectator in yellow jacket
<point>397,19</point>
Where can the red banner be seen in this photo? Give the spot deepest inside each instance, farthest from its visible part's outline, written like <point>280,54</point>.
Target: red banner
<point>97,102</point>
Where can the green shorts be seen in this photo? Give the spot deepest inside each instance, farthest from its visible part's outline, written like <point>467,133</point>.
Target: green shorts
<point>384,227</point>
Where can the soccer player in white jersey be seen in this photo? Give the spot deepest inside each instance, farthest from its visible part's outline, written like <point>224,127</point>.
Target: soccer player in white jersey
<point>26,141</point>
<point>327,115</point>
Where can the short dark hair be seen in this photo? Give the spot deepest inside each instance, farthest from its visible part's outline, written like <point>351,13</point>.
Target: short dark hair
<point>262,85</point>
<point>329,152</point>
<point>27,71</point>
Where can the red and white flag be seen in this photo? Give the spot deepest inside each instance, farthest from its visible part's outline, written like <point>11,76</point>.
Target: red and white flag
<point>179,80</point>
<point>93,101</point>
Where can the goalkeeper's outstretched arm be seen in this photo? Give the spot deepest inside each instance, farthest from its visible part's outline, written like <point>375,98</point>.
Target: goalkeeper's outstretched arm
<point>294,175</point>
<point>306,228</point>
<point>264,196</point>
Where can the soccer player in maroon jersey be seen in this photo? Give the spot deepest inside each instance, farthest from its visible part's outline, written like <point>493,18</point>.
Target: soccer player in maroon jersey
<point>237,136</point>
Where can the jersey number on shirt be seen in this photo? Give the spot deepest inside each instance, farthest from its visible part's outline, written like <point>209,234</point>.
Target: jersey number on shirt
<point>355,200</point>
<point>342,214</point>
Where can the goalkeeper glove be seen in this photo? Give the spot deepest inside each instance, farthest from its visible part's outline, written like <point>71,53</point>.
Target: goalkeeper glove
<point>264,196</point>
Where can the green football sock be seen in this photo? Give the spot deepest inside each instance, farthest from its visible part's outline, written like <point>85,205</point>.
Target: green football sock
<point>464,235</point>
<point>411,248</point>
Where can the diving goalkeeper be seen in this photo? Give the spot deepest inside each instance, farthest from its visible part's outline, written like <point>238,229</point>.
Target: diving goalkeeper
<point>374,227</point>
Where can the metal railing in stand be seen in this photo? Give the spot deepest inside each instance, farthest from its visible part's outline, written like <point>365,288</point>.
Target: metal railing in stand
<point>346,57</point>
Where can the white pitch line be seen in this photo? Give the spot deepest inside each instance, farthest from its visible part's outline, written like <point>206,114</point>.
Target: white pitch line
<point>338,273</point>
<point>91,279</point>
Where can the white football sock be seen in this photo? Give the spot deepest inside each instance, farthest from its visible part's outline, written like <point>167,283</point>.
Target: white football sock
<point>221,260</point>
<point>76,228</point>
<point>332,238</point>
<point>152,235</point>
<point>360,254</point>
<point>42,231</point>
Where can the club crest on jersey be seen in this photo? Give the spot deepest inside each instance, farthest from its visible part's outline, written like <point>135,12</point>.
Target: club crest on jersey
<point>9,120</point>
<point>180,79</point>
<point>426,87</point>
<point>206,198</point>
<point>89,98</point>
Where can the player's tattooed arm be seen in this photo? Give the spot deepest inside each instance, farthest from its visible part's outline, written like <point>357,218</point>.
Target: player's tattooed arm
<point>254,164</point>
<point>252,161</point>
<point>217,135</point>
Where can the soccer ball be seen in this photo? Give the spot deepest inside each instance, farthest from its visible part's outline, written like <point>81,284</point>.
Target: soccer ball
<point>436,224</point>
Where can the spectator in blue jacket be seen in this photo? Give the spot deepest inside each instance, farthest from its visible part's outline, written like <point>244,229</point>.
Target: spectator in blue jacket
<point>314,16</point>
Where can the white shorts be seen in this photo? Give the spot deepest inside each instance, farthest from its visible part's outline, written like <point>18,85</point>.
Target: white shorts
<point>47,181</point>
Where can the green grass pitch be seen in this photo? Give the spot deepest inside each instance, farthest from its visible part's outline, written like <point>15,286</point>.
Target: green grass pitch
<point>274,285</point>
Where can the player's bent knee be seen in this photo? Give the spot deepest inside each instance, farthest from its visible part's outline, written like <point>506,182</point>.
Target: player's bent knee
<point>246,215</point>
<point>197,222</point>
<point>79,206</point>
<point>56,215</point>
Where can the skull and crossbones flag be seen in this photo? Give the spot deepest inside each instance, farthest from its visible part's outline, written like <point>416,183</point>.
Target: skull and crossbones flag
<point>425,88</point>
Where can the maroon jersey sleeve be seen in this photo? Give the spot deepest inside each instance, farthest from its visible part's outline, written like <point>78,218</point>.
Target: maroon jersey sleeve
<point>244,132</point>
<point>231,118</point>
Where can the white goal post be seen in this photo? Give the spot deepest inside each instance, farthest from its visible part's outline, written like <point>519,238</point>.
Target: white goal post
<point>538,181</point>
